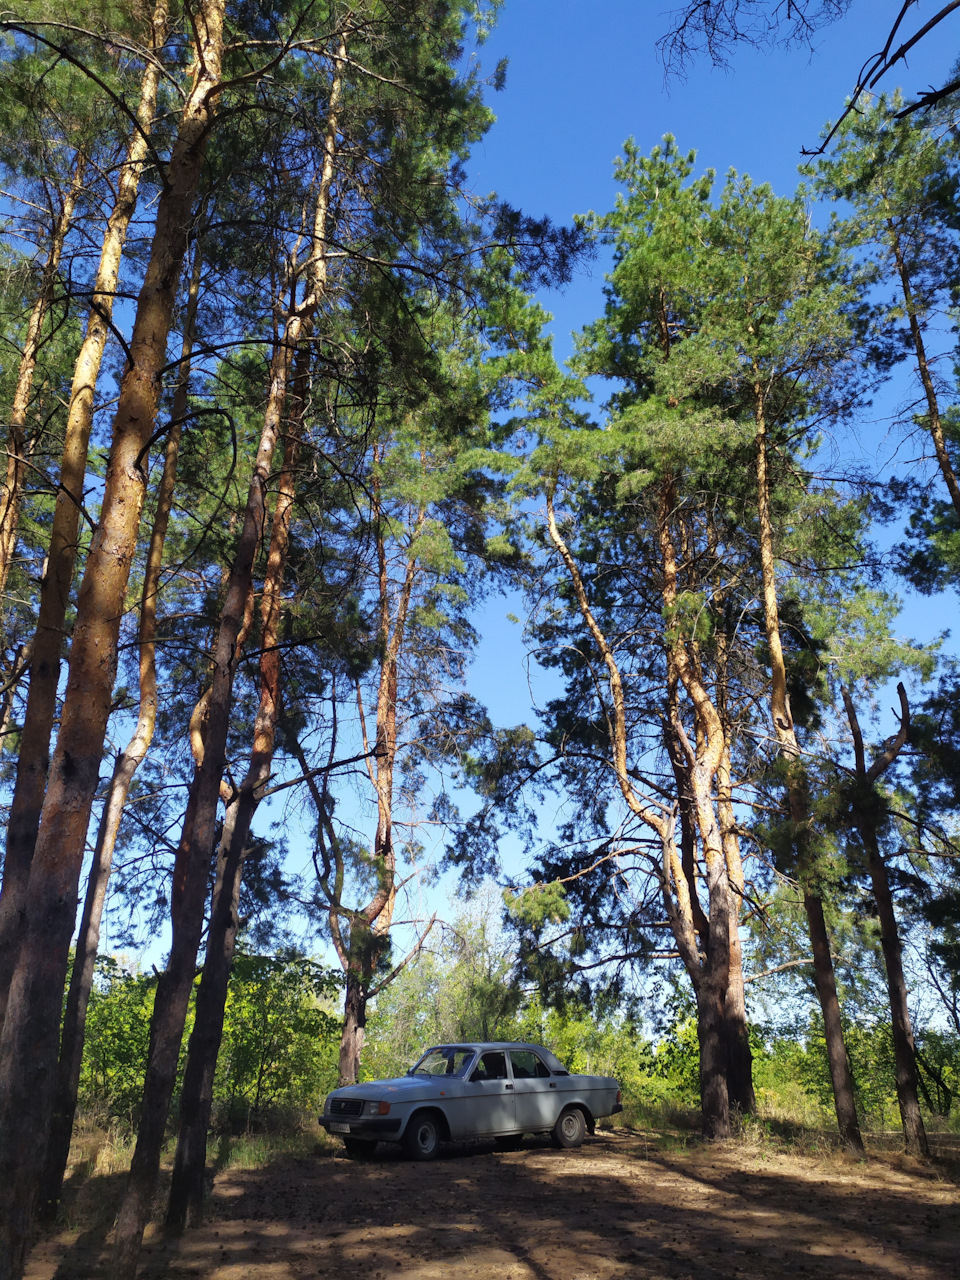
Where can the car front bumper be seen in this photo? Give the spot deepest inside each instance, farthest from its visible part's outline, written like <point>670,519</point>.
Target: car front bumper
<point>382,1128</point>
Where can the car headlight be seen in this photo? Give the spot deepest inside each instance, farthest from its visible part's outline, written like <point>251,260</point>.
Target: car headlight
<point>326,1105</point>
<point>376,1108</point>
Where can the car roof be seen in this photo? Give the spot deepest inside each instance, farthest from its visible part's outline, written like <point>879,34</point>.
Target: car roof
<point>481,1046</point>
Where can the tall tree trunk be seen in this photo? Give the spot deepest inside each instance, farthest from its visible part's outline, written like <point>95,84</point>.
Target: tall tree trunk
<point>196,1096</point>
<point>195,850</point>
<point>30,1038</point>
<point>904,1049</point>
<point>34,755</point>
<point>11,493</point>
<point>704,764</point>
<point>708,964</point>
<point>128,762</point>
<point>823,972</point>
<point>370,927</point>
<point>354,1027</point>
<point>934,424</point>
<point>736,1028</point>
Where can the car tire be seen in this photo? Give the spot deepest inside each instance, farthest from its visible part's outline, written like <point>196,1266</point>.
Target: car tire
<point>509,1142</point>
<point>359,1148</point>
<point>570,1130</point>
<point>421,1138</point>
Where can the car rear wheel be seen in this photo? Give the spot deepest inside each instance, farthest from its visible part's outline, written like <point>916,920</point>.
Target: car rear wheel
<point>359,1148</point>
<point>421,1138</point>
<point>570,1129</point>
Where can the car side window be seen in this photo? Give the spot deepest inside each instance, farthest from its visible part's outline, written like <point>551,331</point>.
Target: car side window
<point>527,1065</point>
<point>492,1066</point>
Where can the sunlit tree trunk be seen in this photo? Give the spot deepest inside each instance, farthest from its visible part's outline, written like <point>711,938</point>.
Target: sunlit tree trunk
<point>196,845</point>
<point>739,1055</point>
<point>11,493</point>
<point>30,1038</point>
<point>707,963</point>
<point>34,754</point>
<point>196,1095</point>
<point>934,423</point>
<point>127,764</point>
<point>823,971</point>
<point>704,763</point>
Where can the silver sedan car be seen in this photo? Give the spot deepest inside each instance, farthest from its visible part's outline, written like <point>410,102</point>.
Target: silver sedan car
<point>499,1090</point>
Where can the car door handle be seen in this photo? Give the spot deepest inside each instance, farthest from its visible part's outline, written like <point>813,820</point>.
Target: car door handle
<point>552,1086</point>
<point>508,1086</point>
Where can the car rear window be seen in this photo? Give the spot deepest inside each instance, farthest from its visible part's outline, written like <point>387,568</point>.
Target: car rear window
<point>527,1065</point>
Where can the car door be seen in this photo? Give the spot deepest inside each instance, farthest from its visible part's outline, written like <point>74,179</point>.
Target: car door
<point>535,1089</point>
<point>488,1104</point>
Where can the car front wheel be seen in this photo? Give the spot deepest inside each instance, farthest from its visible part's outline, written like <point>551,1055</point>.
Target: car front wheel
<point>570,1129</point>
<point>421,1138</point>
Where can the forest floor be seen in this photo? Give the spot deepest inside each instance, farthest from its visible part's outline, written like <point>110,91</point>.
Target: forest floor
<point>629,1203</point>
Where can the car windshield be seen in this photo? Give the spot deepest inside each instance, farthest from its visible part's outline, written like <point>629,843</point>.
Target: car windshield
<point>445,1061</point>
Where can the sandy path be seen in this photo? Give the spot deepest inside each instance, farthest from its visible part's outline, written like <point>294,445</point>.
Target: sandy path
<point>619,1207</point>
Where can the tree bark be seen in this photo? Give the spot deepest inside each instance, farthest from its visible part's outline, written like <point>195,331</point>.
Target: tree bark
<point>905,1054</point>
<point>823,974</point>
<point>708,964</point>
<point>904,1049</point>
<point>12,491</point>
<point>736,1027</point>
<point>196,1096</point>
<point>195,850</point>
<point>34,755</point>
<point>29,1042</point>
<point>704,764</point>
<point>934,424</point>
<point>369,927</point>
<point>128,762</point>
<point>354,1027</point>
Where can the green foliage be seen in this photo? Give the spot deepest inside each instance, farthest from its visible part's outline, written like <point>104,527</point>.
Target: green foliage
<point>280,1040</point>
<point>279,1048</point>
<point>117,1035</point>
<point>938,1062</point>
<point>539,904</point>
<point>466,990</point>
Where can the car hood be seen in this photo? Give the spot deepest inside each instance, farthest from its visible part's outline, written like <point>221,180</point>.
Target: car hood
<point>404,1086</point>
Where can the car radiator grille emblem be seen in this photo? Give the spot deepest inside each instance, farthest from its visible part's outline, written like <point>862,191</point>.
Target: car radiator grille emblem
<point>346,1107</point>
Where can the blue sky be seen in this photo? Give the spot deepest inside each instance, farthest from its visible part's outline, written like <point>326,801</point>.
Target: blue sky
<point>583,77</point>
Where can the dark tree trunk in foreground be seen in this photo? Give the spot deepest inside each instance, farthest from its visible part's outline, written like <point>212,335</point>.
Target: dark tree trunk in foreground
<point>866,807</point>
<point>30,1040</point>
<point>826,987</point>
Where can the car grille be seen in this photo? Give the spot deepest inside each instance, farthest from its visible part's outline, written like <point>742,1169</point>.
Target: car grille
<point>346,1106</point>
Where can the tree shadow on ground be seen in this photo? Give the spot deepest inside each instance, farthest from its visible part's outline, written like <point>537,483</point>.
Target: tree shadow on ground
<point>617,1207</point>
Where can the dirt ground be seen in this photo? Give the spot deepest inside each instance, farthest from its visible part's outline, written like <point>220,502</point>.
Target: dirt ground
<point>624,1205</point>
